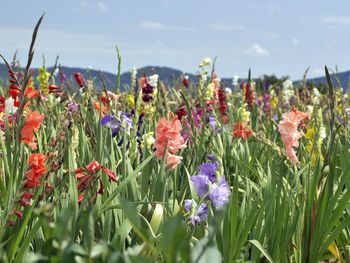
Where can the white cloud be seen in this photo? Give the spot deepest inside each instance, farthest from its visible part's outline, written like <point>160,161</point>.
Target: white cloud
<point>151,25</point>
<point>295,41</point>
<point>224,27</point>
<point>257,50</point>
<point>102,6</point>
<point>336,20</point>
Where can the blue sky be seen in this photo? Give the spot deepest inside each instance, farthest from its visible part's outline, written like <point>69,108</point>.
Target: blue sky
<point>280,37</point>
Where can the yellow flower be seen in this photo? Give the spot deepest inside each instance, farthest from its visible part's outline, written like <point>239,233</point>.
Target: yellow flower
<point>209,93</point>
<point>273,102</point>
<point>244,115</point>
<point>131,100</point>
<point>43,79</point>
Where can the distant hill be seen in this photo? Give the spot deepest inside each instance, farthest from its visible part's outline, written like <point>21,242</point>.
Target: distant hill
<point>167,75</point>
<point>341,77</point>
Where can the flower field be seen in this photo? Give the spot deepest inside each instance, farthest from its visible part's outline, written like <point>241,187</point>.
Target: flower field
<point>194,172</point>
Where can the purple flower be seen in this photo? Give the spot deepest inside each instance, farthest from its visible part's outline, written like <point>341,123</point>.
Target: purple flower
<point>259,102</point>
<point>220,193</point>
<point>188,203</point>
<point>209,170</point>
<point>72,107</point>
<point>201,183</point>
<point>198,214</point>
<point>116,123</point>
<point>212,121</point>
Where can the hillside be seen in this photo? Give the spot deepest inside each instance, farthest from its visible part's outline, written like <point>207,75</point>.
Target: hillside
<point>168,75</point>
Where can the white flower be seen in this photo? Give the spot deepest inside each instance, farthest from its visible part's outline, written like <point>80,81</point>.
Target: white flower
<point>153,80</point>
<point>9,106</point>
<point>316,96</point>
<point>287,84</point>
<point>310,109</point>
<point>228,90</point>
<point>235,80</point>
<point>149,139</point>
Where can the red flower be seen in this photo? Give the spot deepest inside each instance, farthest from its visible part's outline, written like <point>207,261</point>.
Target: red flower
<point>222,104</point>
<point>32,124</point>
<point>185,81</point>
<point>37,168</point>
<point>181,112</point>
<point>241,131</point>
<point>111,175</point>
<point>80,197</point>
<point>80,79</point>
<point>249,94</point>
<point>87,177</point>
<point>19,214</point>
<point>2,103</point>
<point>25,199</point>
<point>94,166</point>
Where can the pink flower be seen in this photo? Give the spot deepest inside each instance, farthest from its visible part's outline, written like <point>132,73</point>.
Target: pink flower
<point>288,128</point>
<point>168,135</point>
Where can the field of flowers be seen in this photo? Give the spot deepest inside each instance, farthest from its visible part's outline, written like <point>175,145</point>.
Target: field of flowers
<point>196,172</point>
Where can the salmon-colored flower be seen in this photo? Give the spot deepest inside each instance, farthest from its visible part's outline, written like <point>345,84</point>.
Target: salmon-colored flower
<point>168,136</point>
<point>288,128</point>
<point>32,124</point>
<point>36,163</point>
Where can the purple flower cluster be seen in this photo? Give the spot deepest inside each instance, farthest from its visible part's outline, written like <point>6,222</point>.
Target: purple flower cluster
<point>207,187</point>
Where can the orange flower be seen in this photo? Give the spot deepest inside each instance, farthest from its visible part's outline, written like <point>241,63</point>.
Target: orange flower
<point>168,135</point>
<point>36,162</point>
<point>32,124</point>
<point>241,131</point>
<point>101,107</point>
<point>288,128</point>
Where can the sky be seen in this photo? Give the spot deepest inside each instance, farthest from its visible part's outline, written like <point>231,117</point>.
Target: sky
<point>270,37</point>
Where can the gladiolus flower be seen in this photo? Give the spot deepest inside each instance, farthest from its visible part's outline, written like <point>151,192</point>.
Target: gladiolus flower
<point>2,103</point>
<point>241,131</point>
<point>198,214</point>
<point>288,128</point>
<point>249,94</point>
<point>168,136</point>
<point>19,214</point>
<point>25,199</point>
<point>79,78</point>
<point>94,166</point>
<point>31,126</point>
<point>36,162</point>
